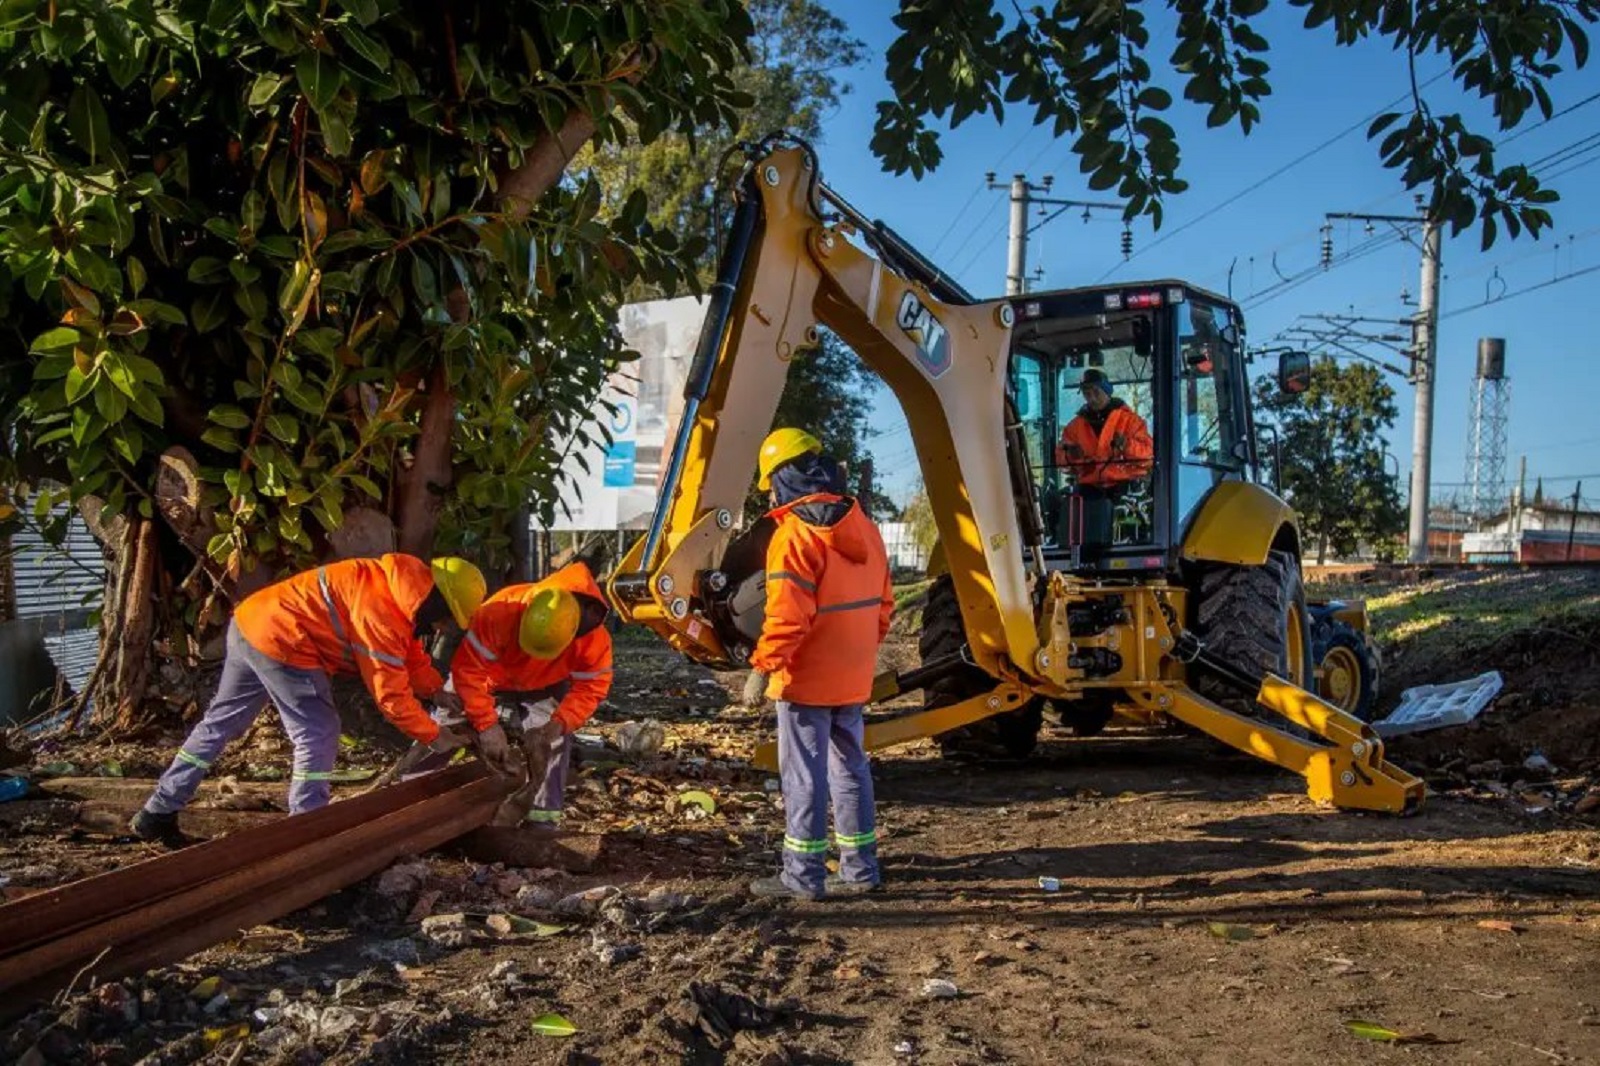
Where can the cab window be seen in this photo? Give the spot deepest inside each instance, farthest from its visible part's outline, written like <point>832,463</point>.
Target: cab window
<point>1210,446</point>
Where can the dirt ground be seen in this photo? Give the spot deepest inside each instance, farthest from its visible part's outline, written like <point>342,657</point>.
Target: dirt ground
<point>1206,911</point>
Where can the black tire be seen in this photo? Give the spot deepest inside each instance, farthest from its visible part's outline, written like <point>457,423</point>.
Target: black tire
<point>1353,654</point>
<point>1012,735</point>
<point>1243,615</point>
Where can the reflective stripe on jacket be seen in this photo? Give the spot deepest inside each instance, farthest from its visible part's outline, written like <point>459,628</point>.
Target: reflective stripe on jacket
<point>491,659</point>
<point>1120,452</point>
<point>828,605</point>
<point>353,616</point>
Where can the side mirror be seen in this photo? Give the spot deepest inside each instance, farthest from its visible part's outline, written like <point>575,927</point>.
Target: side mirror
<point>1294,372</point>
<point>1141,336</point>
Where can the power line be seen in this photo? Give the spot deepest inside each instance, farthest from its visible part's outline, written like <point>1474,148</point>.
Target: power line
<point>1503,297</point>
<point>1274,175</point>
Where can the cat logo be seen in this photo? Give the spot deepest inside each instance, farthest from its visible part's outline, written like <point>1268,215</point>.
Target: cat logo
<point>931,338</point>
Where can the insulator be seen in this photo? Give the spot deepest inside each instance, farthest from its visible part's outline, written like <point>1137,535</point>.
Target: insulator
<point>1327,248</point>
<point>1127,242</point>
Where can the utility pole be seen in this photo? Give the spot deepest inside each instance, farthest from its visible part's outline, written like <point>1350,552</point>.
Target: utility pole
<point>1424,361</point>
<point>1572,526</point>
<point>1024,196</point>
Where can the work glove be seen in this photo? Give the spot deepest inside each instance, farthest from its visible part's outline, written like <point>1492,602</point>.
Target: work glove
<point>449,703</point>
<point>496,752</point>
<point>1119,443</point>
<point>755,689</point>
<point>448,740</point>
<point>546,735</point>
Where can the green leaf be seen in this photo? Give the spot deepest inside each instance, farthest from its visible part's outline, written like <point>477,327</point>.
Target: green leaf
<point>320,78</point>
<point>265,87</point>
<point>352,775</point>
<point>78,384</point>
<point>88,123</point>
<point>554,1025</point>
<point>697,798</point>
<point>208,311</point>
<point>60,339</point>
<point>284,427</point>
<point>208,270</point>
<point>1382,1033</point>
<point>1228,931</point>
<point>226,414</point>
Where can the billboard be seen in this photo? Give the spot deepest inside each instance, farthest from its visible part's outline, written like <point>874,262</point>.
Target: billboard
<point>614,486</point>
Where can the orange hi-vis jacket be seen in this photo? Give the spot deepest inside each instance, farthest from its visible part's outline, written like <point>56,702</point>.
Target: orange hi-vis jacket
<point>353,616</point>
<point>829,602</point>
<point>1121,451</point>
<point>491,658</point>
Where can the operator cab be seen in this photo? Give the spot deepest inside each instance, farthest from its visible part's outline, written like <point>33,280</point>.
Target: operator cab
<point>1134,404</point>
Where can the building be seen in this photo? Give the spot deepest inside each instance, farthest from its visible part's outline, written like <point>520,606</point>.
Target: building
<point>48,644</point>
<point>1535,533</point>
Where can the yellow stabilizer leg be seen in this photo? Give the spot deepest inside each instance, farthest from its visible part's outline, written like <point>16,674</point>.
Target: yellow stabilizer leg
<point>919,724</point>
<point>1349,771</point>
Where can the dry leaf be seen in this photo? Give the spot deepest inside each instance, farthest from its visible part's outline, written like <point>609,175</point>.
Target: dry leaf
<point>207,988</point>
<point>1499,925</point>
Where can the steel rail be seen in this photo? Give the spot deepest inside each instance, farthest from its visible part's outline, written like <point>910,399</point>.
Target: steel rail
<point>160,910</point>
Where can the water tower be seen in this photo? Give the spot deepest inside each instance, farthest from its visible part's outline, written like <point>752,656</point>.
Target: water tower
<point>1486,429</point>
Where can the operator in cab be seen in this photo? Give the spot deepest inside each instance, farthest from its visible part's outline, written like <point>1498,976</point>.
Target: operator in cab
<point>1107,444</point>
<point>356,616</point>
<point>542,651</point>
<point>828,605</point>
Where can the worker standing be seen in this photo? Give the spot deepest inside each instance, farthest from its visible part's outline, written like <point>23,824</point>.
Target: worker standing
<point>362,616</point>
<point>542,646</point>
<point>828,605</point>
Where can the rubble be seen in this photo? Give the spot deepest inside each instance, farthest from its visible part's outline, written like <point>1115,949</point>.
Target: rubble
<point>447,930</point>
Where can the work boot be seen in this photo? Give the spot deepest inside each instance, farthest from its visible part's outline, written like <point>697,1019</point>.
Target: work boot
<point>838,886</point>
<point>159,829</point>
<point>778,888</point>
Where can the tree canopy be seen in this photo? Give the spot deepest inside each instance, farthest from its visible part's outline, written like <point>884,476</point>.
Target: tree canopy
<point>1104,74</point>
<point>1333,467</point>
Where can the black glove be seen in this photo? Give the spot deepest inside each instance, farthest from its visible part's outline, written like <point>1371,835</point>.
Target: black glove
<point>755,689</point>
<point>449,703</point>
<point>448,740</point>
<point>496,752</point>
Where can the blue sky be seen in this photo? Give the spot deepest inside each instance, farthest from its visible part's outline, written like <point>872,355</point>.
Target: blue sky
<point>1552,333</point>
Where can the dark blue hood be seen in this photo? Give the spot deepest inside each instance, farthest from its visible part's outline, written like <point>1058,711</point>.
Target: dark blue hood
<point>807,476</point>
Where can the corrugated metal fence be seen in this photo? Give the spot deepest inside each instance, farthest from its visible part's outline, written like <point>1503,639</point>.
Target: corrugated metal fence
<point>54,589</point>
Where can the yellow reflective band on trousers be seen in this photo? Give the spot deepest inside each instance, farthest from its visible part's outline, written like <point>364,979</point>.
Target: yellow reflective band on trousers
<point>856,840</point>
<point>193,760</point>
<point>804,847</point>
<point>311,775</point>
<point>542,816</point>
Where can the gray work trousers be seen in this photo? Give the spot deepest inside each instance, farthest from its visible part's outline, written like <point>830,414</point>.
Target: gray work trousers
<point>821,759</point>
<point>249,679</point>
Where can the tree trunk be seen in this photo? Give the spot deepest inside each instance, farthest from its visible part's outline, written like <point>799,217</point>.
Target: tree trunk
<point>546,161</point>
<point>1322,549</point>
<point>128,622</point>
<point>423,486</point>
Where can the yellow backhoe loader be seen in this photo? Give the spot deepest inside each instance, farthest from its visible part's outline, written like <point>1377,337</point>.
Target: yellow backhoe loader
<point>1175,595</point>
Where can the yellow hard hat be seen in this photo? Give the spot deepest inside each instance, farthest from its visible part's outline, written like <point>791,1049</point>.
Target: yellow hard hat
<point>780,447</point>
<point>462,586</point>
<point>549,623</point>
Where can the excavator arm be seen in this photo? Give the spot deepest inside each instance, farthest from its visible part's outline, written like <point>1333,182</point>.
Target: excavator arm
<point>788,267</point>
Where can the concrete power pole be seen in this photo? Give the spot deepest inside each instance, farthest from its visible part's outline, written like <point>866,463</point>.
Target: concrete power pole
<point>1017,242</point>
<point>1426,363</point>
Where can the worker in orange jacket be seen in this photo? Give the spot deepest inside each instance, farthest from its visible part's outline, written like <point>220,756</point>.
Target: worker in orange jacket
<point>828,605</point>
<point>361,616</point>
<point>542,650</point>
<point>1107,444</point>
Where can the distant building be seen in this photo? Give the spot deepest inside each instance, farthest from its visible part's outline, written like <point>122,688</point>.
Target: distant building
<point>1535,533</point>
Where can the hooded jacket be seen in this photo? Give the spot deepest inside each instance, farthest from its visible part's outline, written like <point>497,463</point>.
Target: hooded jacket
<point>353,616</point>
<point>491,658</point>
<point>828,604</point>
<point>1107,448</point>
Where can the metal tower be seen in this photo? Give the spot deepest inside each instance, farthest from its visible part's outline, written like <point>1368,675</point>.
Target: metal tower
<point>1486,429</point>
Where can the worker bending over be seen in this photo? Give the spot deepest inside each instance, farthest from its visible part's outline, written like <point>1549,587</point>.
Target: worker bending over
<point>543,650</point>
<point>361,616</point>
<point>827,609</point>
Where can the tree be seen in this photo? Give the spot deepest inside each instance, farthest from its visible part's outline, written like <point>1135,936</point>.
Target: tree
<point>798,53</point>
<point>1333,468</point>
<point>1087,71</point>
<point>285,277</point>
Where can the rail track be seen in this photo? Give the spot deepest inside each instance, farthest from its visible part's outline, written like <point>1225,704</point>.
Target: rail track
<point>164,908</point>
